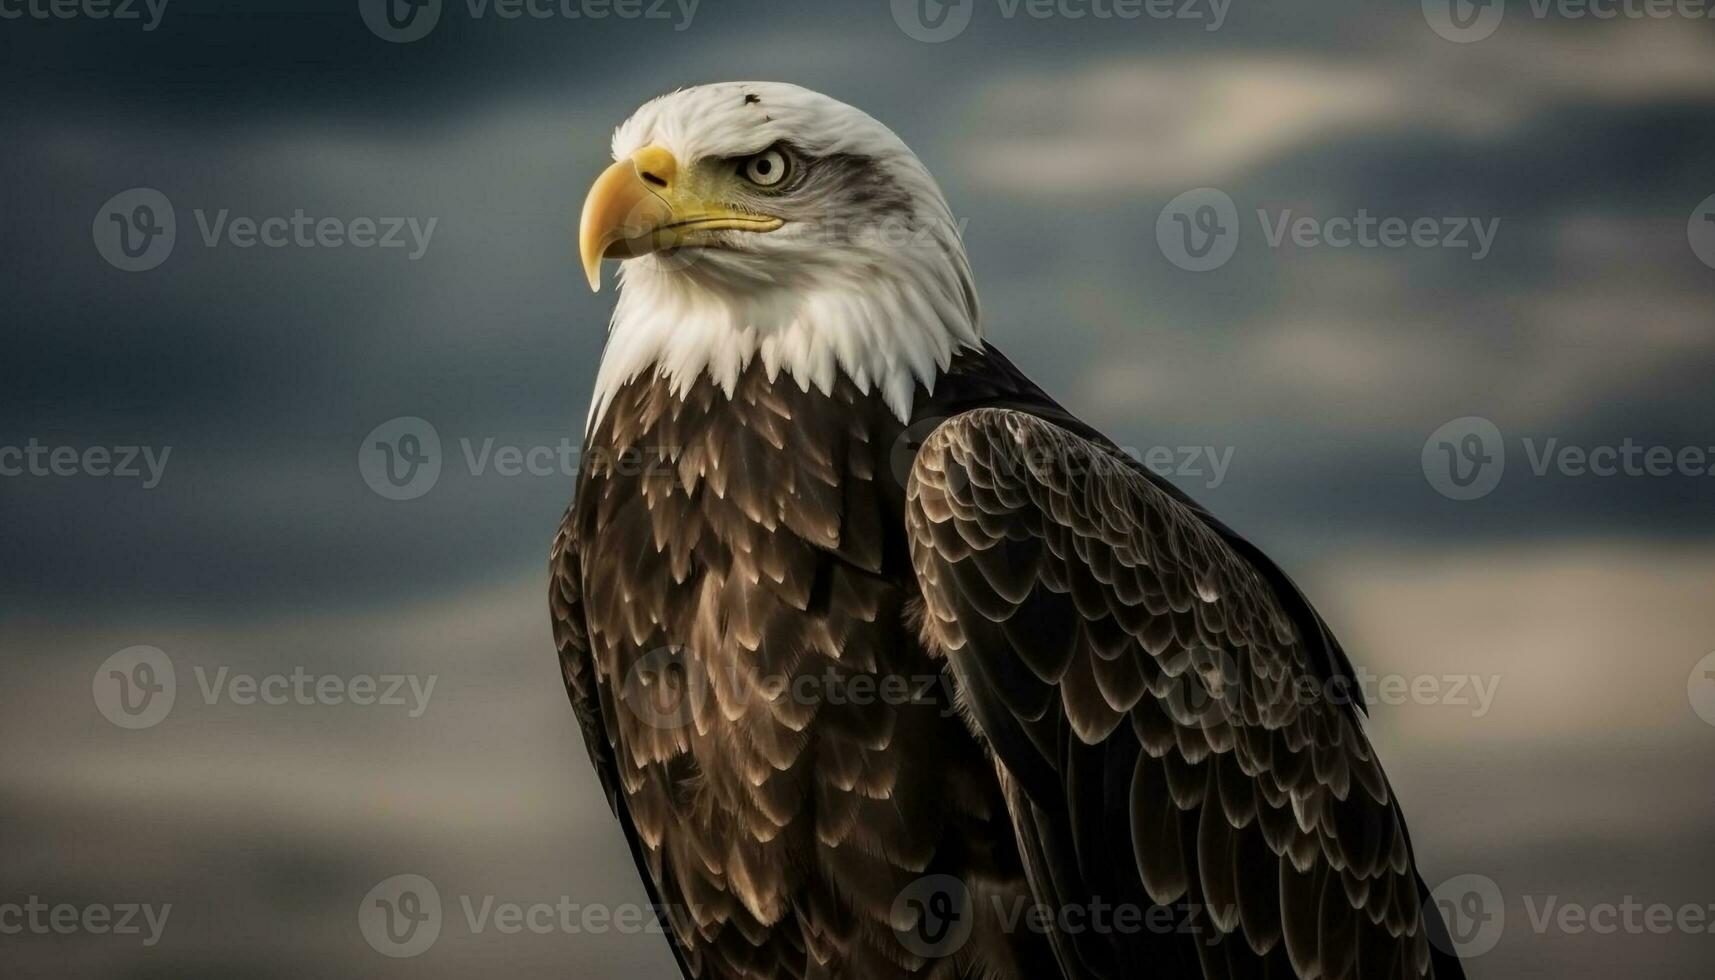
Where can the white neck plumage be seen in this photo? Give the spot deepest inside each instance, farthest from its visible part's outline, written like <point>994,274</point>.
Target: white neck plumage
<point>887,318</point>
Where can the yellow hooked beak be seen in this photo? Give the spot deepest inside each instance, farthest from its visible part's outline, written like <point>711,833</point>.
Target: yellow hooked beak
<point>643,204</point>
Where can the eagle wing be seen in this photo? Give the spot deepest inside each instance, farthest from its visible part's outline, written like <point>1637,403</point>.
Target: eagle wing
<point>1171,727</point>
<point>577,667</point>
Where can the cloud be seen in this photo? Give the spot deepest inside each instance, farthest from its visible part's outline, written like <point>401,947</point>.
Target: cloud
<point>1621,310</point>
<point>1589,639</point>
<point>1175,121</point>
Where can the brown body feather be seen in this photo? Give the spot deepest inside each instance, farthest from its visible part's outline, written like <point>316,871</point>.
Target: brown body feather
<point>762,632</point>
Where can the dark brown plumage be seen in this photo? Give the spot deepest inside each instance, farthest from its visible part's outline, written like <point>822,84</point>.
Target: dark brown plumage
<point>1129,729</point>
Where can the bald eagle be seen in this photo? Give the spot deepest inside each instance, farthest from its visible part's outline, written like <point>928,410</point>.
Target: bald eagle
<point>888,664</point>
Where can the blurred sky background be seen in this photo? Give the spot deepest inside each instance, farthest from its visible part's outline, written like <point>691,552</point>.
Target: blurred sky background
<point>1589,600</point>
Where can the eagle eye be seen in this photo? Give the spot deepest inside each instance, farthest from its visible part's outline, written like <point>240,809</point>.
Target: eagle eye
<point>769,168</point>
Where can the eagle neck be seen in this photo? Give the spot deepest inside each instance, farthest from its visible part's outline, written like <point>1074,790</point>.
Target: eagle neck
<point>891,334</point>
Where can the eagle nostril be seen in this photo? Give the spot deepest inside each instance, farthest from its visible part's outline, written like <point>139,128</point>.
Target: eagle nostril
<point>650,178</point>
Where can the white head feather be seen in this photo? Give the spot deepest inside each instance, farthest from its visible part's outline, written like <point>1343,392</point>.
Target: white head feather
<point>867,278</point>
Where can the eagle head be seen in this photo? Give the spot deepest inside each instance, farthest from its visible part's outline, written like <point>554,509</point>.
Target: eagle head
<point>760,221</point>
